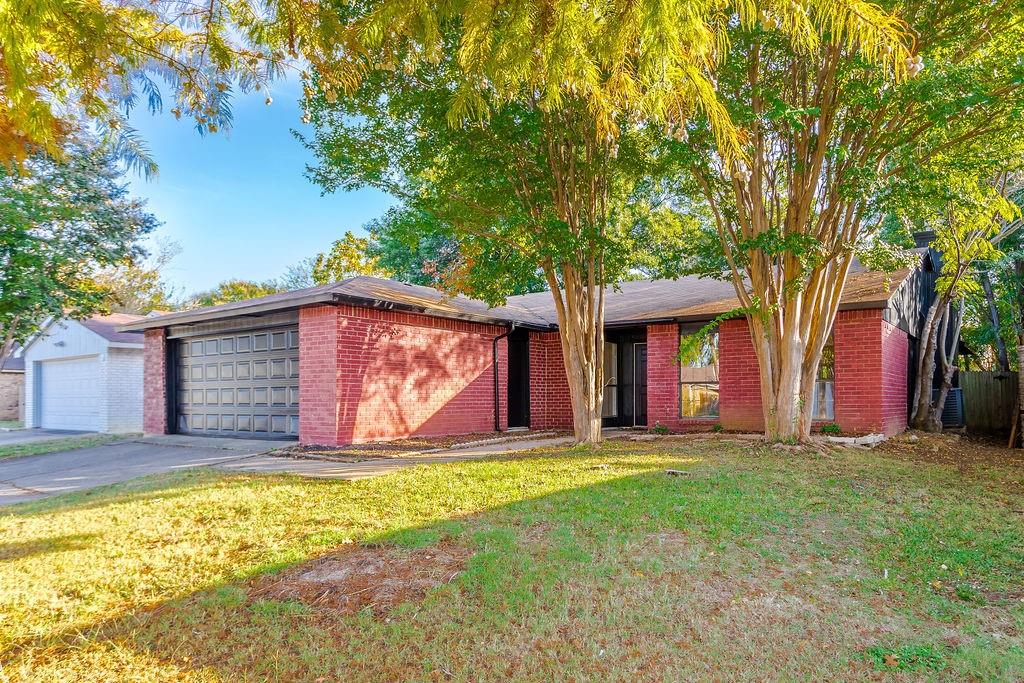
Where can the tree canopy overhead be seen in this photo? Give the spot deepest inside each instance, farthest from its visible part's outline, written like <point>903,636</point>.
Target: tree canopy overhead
<point>66,66</point>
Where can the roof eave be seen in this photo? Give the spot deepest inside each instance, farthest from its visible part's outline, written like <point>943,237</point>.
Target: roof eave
<point>200,316</point>
<point>320,298</point>
<point>384,304</point>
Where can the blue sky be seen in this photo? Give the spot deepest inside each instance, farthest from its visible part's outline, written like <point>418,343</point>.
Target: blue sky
<point>239,203</point>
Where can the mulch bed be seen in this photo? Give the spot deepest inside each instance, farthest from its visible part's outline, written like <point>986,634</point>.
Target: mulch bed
<point>374,576</point>
<point>961,450</point>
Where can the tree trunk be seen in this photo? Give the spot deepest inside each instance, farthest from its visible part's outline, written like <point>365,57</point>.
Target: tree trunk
<point>926,364</point>
<point>789,338</point>
<point>934,349</point>
<point>946,366</point>
<point>579,304</point>
<point>993,313</point>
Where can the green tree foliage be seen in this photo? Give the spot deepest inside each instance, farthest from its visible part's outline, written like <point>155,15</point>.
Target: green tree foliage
<point>968,225</point>
<point>66,66</point>
<point>412,245</point>
<point>233,290</point>
<point>348,256</point>
<point>137,285</point>
<point>838,134</point>
<point>523,193</point>
<point>61,223</point>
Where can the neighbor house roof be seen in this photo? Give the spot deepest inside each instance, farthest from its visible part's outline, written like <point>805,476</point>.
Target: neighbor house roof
<point>109,327</point>
<point>640,301</point>
<point>13,364</point>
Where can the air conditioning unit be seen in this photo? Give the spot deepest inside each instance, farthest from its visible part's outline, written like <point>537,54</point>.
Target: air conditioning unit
<point>953,410</point>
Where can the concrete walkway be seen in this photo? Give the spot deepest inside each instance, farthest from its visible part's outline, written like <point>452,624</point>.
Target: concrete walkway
<point>272,464</point>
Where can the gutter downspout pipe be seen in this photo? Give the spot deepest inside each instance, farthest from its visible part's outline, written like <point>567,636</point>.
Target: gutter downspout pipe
<point>494,354</point>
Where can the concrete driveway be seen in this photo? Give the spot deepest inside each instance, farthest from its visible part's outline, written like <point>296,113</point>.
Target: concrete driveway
<point>40,476</point>
<point>19,436</point>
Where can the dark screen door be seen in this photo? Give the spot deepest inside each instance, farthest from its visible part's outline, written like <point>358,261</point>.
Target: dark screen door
<point>519,379</point>
<point>640,382</point>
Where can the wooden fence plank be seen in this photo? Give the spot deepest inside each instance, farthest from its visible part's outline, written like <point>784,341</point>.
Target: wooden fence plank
<point>989,399</point>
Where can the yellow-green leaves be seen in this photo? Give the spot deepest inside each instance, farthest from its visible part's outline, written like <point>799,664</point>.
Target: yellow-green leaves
<point>620,60</point>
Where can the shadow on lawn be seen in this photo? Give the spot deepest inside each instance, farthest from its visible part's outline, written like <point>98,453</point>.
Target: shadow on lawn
<point>623,578</point>
<point>19,549</point>
<point>233,629</point>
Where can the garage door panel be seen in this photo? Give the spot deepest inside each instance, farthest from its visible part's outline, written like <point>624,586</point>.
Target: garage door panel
<point>69,394</point>
<point>241,385</point>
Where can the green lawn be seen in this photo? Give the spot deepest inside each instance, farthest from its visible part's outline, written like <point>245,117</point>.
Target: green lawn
<point>10,424</point>
<point>755,564</point>
<point>60,444</point>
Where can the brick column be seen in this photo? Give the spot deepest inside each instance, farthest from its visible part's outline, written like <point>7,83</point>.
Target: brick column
<point>502,384</point>
<point>871,373</point>
<point>154,395</point>
<point>738,377</point>
<point>663,375</point>
<point>318,375</point>
<point>550,407</point>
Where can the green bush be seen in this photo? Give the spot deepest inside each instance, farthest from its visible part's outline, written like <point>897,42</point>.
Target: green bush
<point>659,428</point>
<point>831,428</point>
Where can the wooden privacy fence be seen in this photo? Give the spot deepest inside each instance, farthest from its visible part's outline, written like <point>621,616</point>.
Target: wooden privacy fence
<point>990,399</point>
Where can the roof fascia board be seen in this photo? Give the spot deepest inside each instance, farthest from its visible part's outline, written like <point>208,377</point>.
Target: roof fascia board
<point>368,302</point>
<point>187,318</point>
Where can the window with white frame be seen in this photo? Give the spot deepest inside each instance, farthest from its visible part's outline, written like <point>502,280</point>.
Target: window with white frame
<point>698,372</point>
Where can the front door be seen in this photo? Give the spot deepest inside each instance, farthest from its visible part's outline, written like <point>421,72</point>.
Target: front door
<point>519,379</point>
<point>625,395</point>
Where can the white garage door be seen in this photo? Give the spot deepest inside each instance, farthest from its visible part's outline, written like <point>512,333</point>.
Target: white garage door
<point>69,394</point>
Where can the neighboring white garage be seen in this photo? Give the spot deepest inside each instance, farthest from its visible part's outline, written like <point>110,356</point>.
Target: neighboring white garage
<point>85,375</point>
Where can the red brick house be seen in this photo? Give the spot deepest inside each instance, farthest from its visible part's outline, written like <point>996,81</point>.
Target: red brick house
<point>366,359</point>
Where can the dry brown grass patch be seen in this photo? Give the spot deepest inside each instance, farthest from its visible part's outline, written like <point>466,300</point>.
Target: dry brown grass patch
<point>378,577</point>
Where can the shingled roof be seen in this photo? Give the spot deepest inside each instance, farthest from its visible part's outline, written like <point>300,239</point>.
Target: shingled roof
<point>640,301</point>
<point>109,327</point>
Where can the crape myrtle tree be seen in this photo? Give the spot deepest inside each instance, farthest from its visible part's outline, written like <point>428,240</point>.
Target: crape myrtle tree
<point>62,222</point>
<point>535,120</point>
<point>833,125</point>
<point>524,191</point>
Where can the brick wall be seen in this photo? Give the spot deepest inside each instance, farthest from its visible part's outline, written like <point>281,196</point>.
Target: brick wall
<point>154,394</point>
<point>12,384</point>
<point>895,357</point>
<point>121,375</point>
<point>739,378</point>
<point>318,375</point>
<point>368,374</point>
<point>871,373</point>
<point>870,384</point>
<point>550,407</point>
